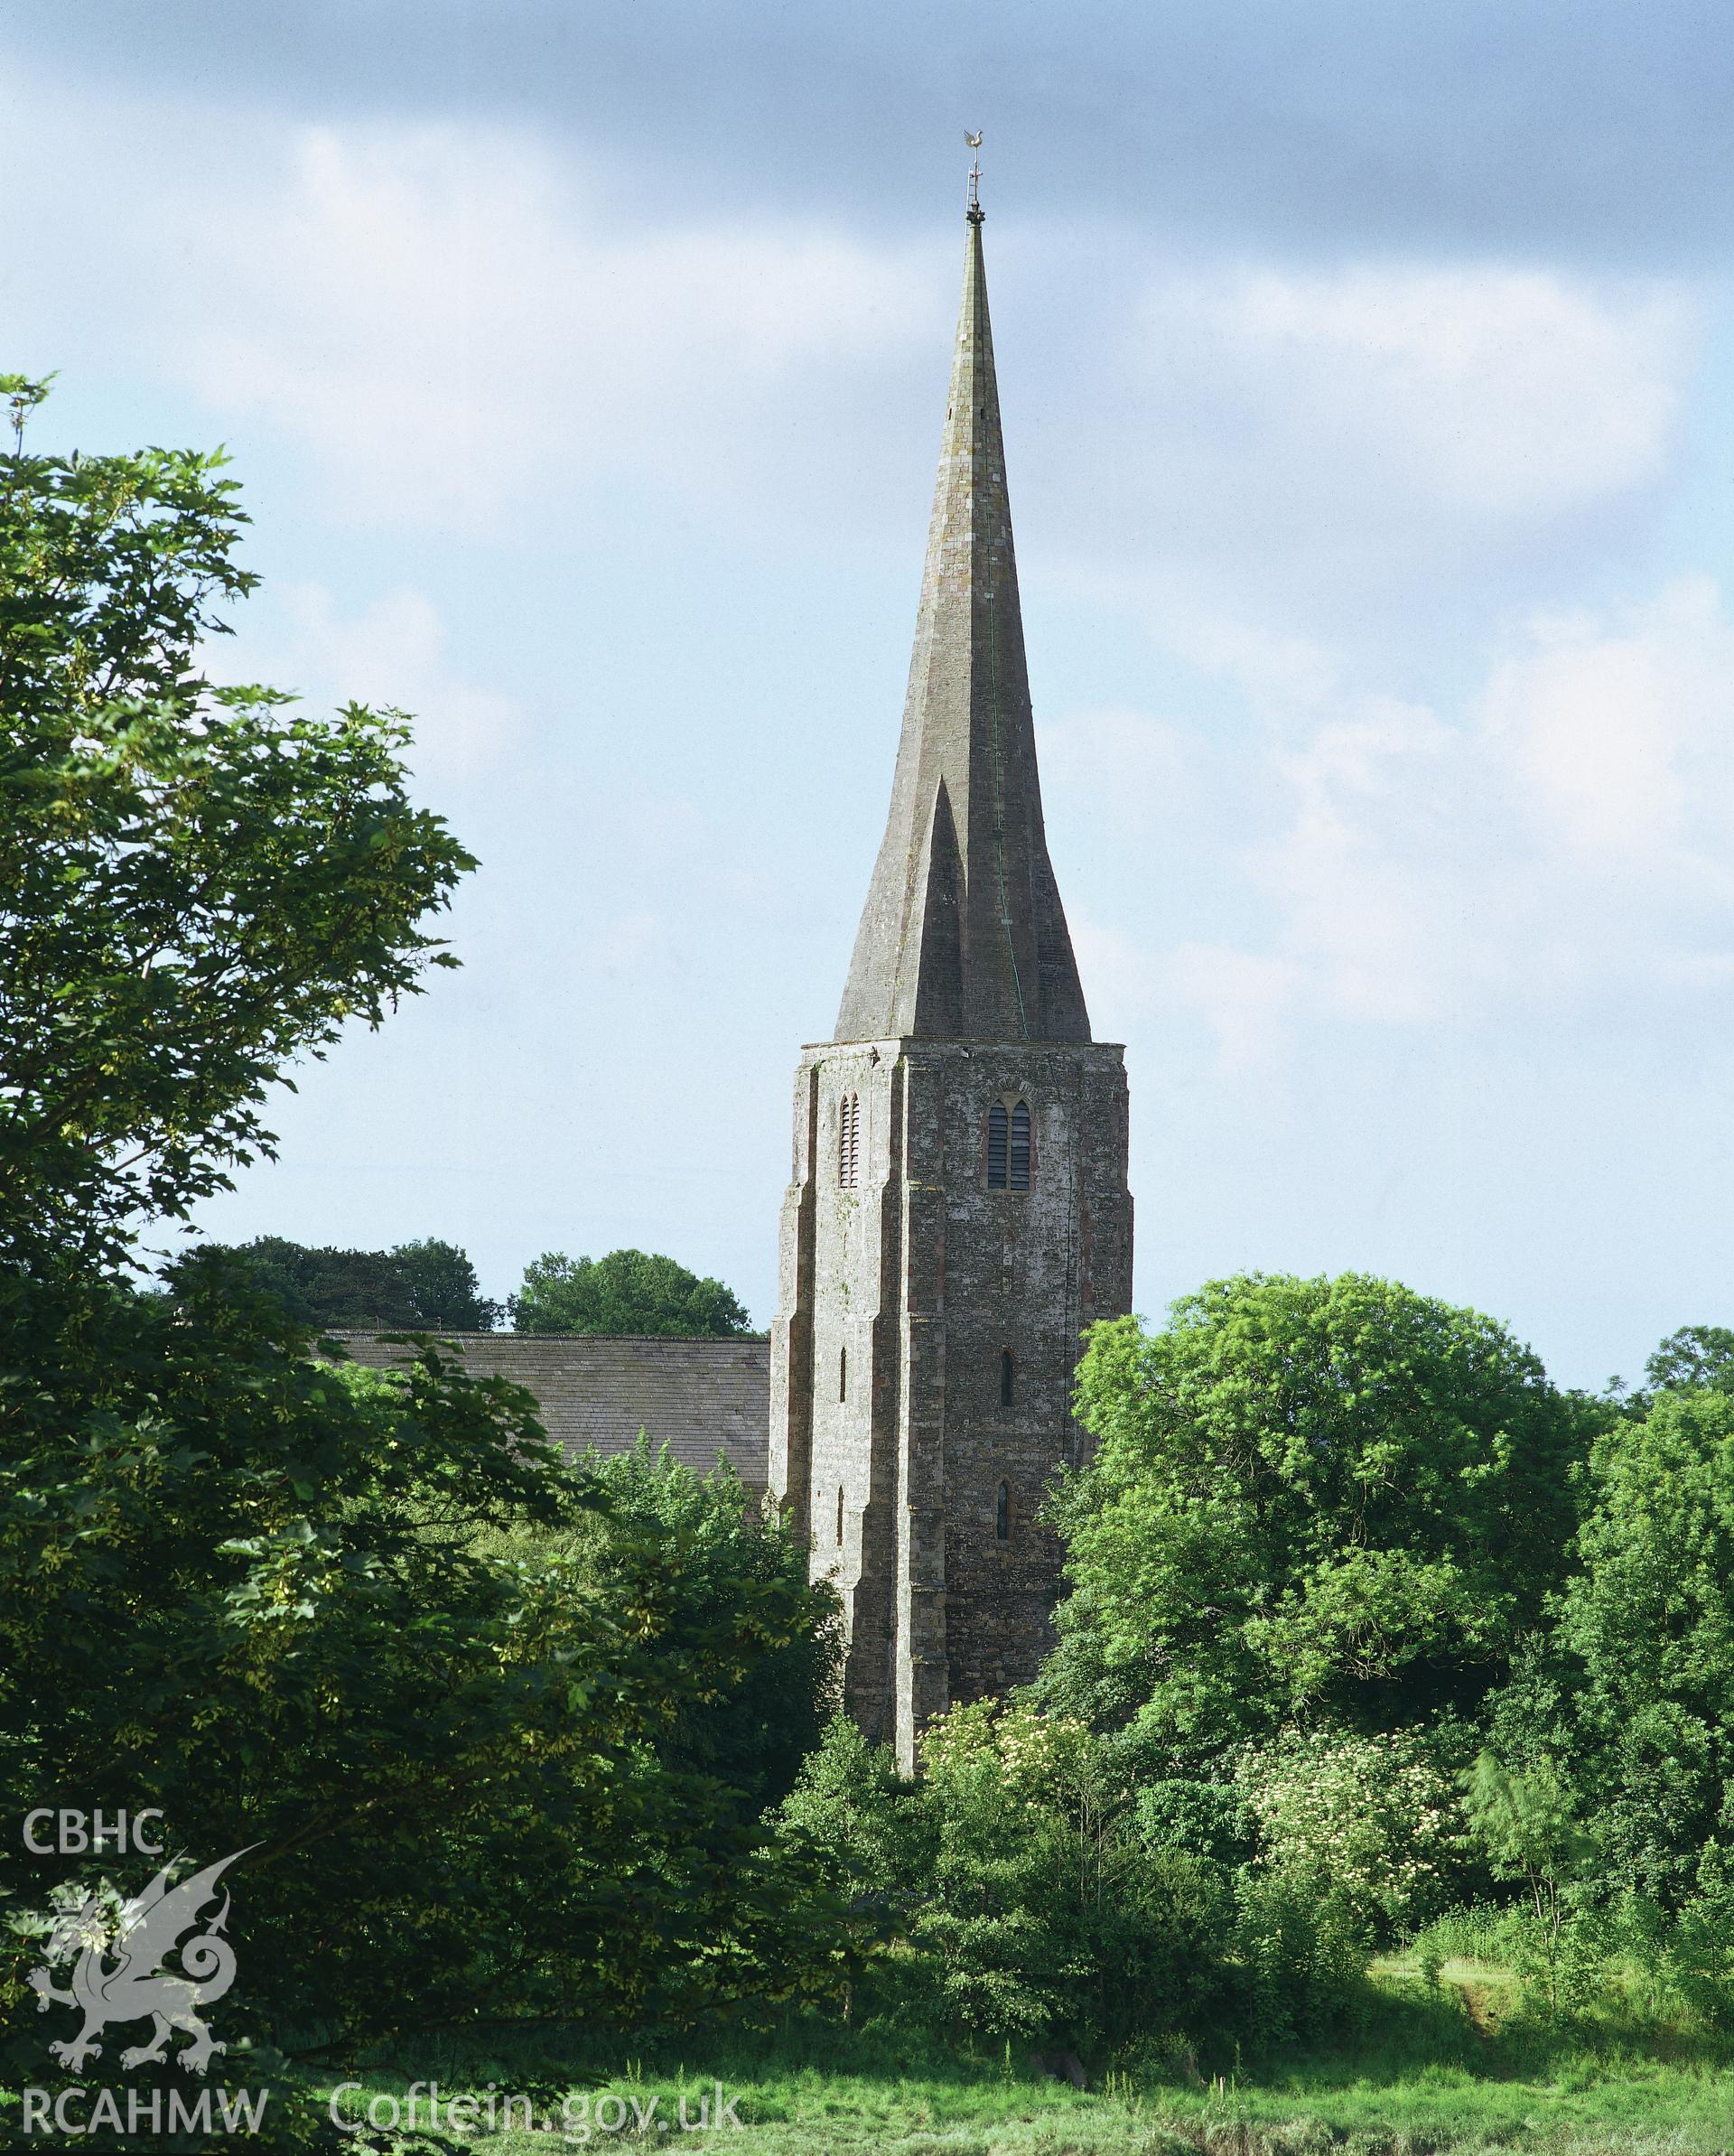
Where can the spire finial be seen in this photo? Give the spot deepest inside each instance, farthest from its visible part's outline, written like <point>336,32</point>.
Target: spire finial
<point>975,213</point>
<point>963,937</point>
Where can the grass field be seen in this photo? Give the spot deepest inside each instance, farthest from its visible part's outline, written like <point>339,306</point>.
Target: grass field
<point>1436,2068</point>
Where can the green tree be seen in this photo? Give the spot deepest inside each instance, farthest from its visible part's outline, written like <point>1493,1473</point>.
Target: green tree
<point>1013,1894</point>
<point>1525,1819</point>
<point>1695,1355</point>
<point>349,1622</point>
<point>429,1284</point>
<point>196,885</point>
<point>1648,1623</point>
<point>627,1291</point>
<point>1309,1498</point>
<point>1370,1820</point>
<point>1044,1911</point>
<point>260,1593</point>
<point>441,1284</point>
<point>752,1737</point>
<point>846,1812</point>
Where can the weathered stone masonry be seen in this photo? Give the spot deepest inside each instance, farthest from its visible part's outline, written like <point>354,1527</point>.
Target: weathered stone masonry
<point>930,1309</point>
<point>704,1399</point>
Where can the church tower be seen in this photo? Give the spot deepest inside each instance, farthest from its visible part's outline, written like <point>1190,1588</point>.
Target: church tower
<point>958,1211</point>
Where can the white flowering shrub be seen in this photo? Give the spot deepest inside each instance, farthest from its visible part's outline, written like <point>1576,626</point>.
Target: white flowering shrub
<point>1024,1756</point>
<point>1373,1822</point>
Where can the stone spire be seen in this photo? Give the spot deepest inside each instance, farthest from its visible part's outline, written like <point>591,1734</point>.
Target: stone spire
<point>963,935</point>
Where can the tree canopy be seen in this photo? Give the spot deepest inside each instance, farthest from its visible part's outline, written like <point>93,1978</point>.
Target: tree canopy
<point>373,1626</point>
<point>428,1286</point>
<point>627,1291</point>
<point>752,1739</point>
<point>1647,1625</point>
<point>197,885</point>
<point>1695,1355</point>
<point>368,1623</point>
<point>1309,1496</point>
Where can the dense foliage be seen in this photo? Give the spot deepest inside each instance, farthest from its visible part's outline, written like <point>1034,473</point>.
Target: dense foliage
<point>627,1291</point>
<point>752,1737</point>
<point>460,1708</point>
<point>1307,1498</point>
<point>1016,1894</point>
<point>1371,1823</point>
<point>427,1284</point>
<point>1697,1355</point>
<point>275,1604</point>
<point>1647,1636</point>
<point>1366,1612</point>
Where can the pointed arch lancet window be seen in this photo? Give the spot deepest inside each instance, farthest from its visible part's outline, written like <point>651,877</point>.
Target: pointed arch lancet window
<point>1003,1514</point>
<point>849,1140</point>
<point>997,1146</point>
<point>843,1373</point>
<point>839,1518</point>
<point>1019,1178</point>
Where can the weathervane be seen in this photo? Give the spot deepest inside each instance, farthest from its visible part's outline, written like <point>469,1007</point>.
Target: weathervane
<point>975,209</point>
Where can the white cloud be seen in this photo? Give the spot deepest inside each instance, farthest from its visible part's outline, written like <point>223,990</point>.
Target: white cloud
<point>1280,673</point>
<point>462,324</point>
<point>1280,470</point>
<point>1246,998</point>
<point>1375,458</point>
<point>1621,734</point>
<point>473,327</point>
<point>629,945</point>
<point>456,319</point>
<point>1497,392</point>
<point>1561,847</point>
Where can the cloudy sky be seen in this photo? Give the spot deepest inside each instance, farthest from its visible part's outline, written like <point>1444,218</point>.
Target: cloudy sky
<point>1368,375</point>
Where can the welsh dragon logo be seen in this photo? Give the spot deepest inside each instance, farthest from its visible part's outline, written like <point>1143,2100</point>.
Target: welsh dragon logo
<point>116,1974</point>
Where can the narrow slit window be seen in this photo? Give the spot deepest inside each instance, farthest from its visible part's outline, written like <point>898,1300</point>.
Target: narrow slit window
<point>843,1373</point>
<point>839,1518</point>
<point>1008,1377</point>
<point>1003,1514</point>
<point>849,1140</point>
<point>1021,1146</point>
<point>997,1126</point>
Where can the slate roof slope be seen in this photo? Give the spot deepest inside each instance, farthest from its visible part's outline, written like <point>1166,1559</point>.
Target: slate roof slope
<point>700,1395</point>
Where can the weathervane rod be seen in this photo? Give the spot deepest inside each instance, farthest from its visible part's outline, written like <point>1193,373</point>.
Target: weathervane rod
<point>976,211</point>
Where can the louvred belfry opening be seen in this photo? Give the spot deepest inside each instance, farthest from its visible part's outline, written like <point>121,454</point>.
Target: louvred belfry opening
<point>998,1127</point>
<point>849,1141</point>
<point>1020,1147</point>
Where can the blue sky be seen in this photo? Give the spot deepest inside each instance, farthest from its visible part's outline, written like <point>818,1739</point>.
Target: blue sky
<point>1368,377</point>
